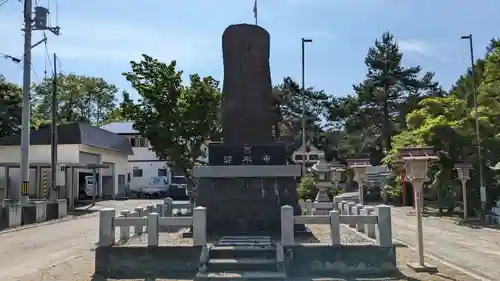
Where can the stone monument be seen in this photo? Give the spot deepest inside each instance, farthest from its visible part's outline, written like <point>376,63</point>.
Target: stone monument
<point>247,178</point>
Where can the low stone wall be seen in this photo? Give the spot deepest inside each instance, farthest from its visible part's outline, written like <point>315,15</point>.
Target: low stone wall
<point>139,262</point>
<point>14,215</point>
<point>330,260</point>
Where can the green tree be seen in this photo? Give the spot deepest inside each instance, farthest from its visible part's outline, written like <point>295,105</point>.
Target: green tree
<point>377,110</point>
<point>11,108</point>
<point>177,119</point>
<point>80,98</point>
<point>290,105</point>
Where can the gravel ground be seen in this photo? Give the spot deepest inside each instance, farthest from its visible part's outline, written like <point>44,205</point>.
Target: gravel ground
<point>81,266</point>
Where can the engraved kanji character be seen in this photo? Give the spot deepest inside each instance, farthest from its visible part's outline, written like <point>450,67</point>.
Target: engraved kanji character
<point>228,159</point>
<point>266,158</point>
<point>247,160</point>
<point>247,149</point>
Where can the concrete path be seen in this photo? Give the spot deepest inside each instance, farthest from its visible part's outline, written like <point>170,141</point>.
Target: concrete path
<point>476,250</point>
<point>29,250</point>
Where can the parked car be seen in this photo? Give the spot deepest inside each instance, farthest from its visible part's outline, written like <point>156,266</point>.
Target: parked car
<point>157,187</point>
<point>178,188</point>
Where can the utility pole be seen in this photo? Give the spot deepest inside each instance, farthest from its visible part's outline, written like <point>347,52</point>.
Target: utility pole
<point>478,136</point>
<point>53,143</point>
<point>40,23</point>
<point>25,132</point>
<point>303,98</point>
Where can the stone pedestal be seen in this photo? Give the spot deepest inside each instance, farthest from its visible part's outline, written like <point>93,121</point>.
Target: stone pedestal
<point>321,197</point>
<point>246,199</point>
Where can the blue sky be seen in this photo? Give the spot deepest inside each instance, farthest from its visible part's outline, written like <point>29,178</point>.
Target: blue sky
<point>99,38</point>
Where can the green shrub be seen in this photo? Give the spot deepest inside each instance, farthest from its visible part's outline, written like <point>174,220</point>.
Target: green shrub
<point>307,187</point>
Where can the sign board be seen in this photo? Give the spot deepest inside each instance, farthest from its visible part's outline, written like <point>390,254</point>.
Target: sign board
<point>482,192</point>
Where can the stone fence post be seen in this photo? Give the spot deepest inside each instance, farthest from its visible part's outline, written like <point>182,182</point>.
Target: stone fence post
<point>350,212</point>
<point>309,207</point>
<point>335,227</point>
<point>360,226</point>
<point>62,206</point>
<point>140,213</point>
<point>125,230</point>
<point>169,204</point>
<point>369,228</point>
<point>287,225</point>
<point>106,228</point>
<point>152,223</point>
<point>384,226</point>
<point>199,226</point>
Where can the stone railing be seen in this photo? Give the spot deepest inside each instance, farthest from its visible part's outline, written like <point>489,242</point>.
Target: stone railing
<point>309,206</point>
<point>171,205</point>
<point>149,220</point>
<point>376,224</point>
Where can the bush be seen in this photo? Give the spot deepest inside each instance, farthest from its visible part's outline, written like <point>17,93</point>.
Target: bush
<point>308,190</point>
<point>307,187</point>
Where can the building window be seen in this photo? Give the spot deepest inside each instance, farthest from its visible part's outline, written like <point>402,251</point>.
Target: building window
<point>162,172</point>
<point>314,157</point>
<point>298,157</point>
<point>138,142</point>
<point>137,173</point>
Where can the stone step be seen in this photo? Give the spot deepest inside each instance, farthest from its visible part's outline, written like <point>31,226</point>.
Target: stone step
<point>231,252</point>
<point>243,243</point>
<point>242,264</point>
<point>235,275</point>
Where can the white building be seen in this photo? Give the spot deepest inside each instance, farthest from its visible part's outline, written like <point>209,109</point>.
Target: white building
<point>80,146</point>
<point>308,154</point>
<point>144,164</point>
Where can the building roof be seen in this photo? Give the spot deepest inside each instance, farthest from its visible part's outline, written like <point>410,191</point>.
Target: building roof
<point>123,127</point>
<point>76,133</point>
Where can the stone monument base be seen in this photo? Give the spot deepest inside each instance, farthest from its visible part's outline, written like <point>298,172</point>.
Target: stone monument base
<point>246,200</point>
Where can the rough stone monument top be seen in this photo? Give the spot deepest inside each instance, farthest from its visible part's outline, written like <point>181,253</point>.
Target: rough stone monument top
<point>247,116</point>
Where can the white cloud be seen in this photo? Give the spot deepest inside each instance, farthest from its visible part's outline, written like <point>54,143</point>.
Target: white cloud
<point>415,46</point>
<point>112,41</point>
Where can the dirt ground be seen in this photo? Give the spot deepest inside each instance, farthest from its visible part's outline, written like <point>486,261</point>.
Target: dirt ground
<point>81,268</point>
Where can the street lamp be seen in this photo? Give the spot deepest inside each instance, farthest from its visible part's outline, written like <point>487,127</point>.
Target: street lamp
<point>304,41</point>
<point>473,71</point>
<point>359,165</point>
<point>463,170</point>
<point>416,159</point>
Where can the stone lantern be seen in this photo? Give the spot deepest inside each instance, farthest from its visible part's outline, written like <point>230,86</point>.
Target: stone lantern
<point>323,172</point>
<point>417,159</point>
<point>359,165</point>
<point>337,173</point>
<point>463,170</point>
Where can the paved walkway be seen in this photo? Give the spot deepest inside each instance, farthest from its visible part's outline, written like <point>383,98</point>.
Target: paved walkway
<point>476,250</point>
<point>32,249</point>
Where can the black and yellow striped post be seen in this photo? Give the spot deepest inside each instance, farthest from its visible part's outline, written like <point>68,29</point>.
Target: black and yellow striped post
<point>24,188</point>
<point>45,185</point>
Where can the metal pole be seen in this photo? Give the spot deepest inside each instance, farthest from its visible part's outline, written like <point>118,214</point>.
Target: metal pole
<point>464,195</point>
<point>417,183</point>
<point>303,109</point>
<point>53,156</point>
<point>481,180</point>
<point>22,195</point>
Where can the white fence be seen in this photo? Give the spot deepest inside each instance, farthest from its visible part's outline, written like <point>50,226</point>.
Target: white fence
<point>375,222</point>
<point>170,205</point>
<point>149,219</point>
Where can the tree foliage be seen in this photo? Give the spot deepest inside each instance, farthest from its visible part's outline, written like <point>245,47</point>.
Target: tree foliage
<point>11,107</point>
<point>80,98</point>
<point>177,119</point>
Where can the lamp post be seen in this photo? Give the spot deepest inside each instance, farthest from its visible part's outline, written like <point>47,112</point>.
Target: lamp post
<point>416,159</point>
<point>303,96</point>
<point>473,71</point>
<point>463,170</point>
<point>359,165</point>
